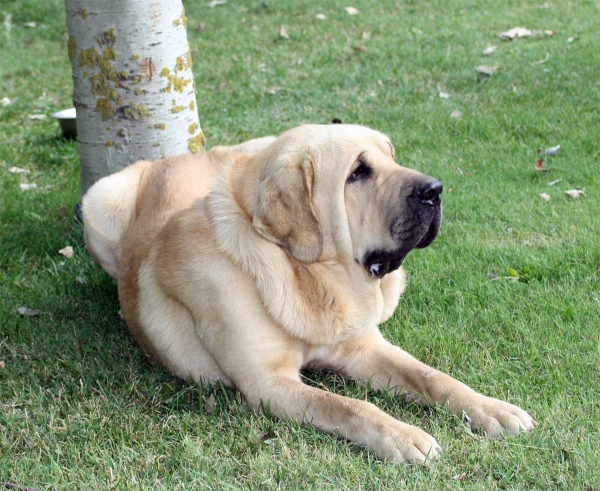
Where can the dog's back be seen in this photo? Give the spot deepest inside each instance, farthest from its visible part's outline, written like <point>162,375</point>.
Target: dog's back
<point>138,201</point>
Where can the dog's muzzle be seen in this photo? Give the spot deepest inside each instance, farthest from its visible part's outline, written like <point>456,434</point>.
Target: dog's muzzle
<point>427,206</point>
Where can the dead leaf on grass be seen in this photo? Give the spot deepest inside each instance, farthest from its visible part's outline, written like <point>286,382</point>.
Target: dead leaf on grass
<point>486,70</point>
<point>273,90</point>
<point>264,438</point>
<point>571,39</point>
<point>216,3</point>
<point>546,152</point>
<point>5,101</point>
<point>554,182</point>
<point>514,33</point>
<point>31,25</point>
<point>539,166</point>
<point>456,114</point>
<point>67,252</point>
<point>321,16</point>
<point>201,26</point>
<point>541,62</point>
<point>35,117</point>
<point>24,311</point>
<point>283,33</point>
<point>2,365</point>
<point>81,280</point>
<point>209,405</point>
<point>544,196</point>
<point>360,48</point>
<point>444,95</point>
<point>351,10</point>
<point>27,186</point>
<point>366,35</point>
<point>489,50</point>
<point>574,193</point>
<point>17,170</point>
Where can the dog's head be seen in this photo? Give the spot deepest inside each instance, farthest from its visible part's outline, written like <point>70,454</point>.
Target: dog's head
<point>336,193</point>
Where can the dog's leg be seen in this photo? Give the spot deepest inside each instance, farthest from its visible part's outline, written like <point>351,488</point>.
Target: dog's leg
<point>375,361</point>
<point>358,421</point>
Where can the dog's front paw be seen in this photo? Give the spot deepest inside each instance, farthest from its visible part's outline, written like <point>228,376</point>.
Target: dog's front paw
<point>406,444</point>
<point>496,417</point>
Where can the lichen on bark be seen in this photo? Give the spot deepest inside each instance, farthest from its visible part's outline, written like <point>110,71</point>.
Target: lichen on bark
<point>196,143</point>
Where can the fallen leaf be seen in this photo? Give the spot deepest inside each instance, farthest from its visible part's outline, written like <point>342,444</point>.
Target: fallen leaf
<point>31,25</point>
<point>444,95</point>
<point>550,151</point>
<point>513,272</point>
<point>201,26</point>
<point>489,50</point>
<point>574,193</point>
<point>17,170</point>
<point>37,116</point>
<point>24,311</point>
<point>539,166</point>
<point>360,49</point>
<point>283,33</point>
<point>209,405</point>
<point>544,196</point>
<point>486,70</point>
<point>266,438</point>
<point>571,39</point>
<point>416,30</point>
<point>272,90</point>
<point>554,182</point>
<point>82,280</point>
<point>456,114</point>
<point>26,187</point>
<point>2,365</point>
<point>67,252</point>
<point>5,101</point>
<point>351,10</point>
<point>549,32</point>
<point>491,276</point>
<point>7,22</point>
<point>515,32</point>
<point>366,35</point>
<point>216,3</point>
<point>321,16</point>
<point>540,62</point>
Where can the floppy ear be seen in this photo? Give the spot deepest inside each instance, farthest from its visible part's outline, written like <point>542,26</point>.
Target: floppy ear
<point>284,214</point>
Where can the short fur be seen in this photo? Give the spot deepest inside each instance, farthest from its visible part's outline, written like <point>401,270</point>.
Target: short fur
<point>245,264</point>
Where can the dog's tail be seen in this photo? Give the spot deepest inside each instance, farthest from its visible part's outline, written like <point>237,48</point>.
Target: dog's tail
<point>107,208</point>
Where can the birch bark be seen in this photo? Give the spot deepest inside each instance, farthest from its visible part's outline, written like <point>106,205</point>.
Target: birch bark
<point>133,85</point>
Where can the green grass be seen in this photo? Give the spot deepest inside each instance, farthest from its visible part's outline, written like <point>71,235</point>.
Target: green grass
<point>80,406</point>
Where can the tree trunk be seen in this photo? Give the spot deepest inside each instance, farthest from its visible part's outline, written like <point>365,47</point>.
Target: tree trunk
<point>133,86</point>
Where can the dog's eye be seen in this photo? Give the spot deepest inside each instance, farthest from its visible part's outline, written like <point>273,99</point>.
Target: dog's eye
<point>361,173</point>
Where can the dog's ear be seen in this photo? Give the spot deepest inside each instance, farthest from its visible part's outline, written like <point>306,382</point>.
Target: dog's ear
<point>285,215</point>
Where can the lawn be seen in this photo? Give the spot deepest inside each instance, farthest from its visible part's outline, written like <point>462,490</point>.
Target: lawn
<point>507,298</point>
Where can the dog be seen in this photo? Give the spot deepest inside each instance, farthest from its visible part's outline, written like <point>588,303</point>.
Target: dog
<point>248,263</point>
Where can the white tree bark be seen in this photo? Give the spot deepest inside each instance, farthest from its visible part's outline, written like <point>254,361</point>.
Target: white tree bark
<point>133,86</point>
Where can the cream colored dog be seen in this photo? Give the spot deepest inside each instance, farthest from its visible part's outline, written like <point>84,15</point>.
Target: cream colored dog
<point>245,264</point>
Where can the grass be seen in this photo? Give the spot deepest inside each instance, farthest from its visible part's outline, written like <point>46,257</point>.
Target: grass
<point>80,407</point>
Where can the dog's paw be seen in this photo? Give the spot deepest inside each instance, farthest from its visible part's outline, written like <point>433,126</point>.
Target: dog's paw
<point>496,417</point>
<point>407,445</point>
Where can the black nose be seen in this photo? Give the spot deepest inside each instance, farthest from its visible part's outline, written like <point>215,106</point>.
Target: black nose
<point>429,193</point>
